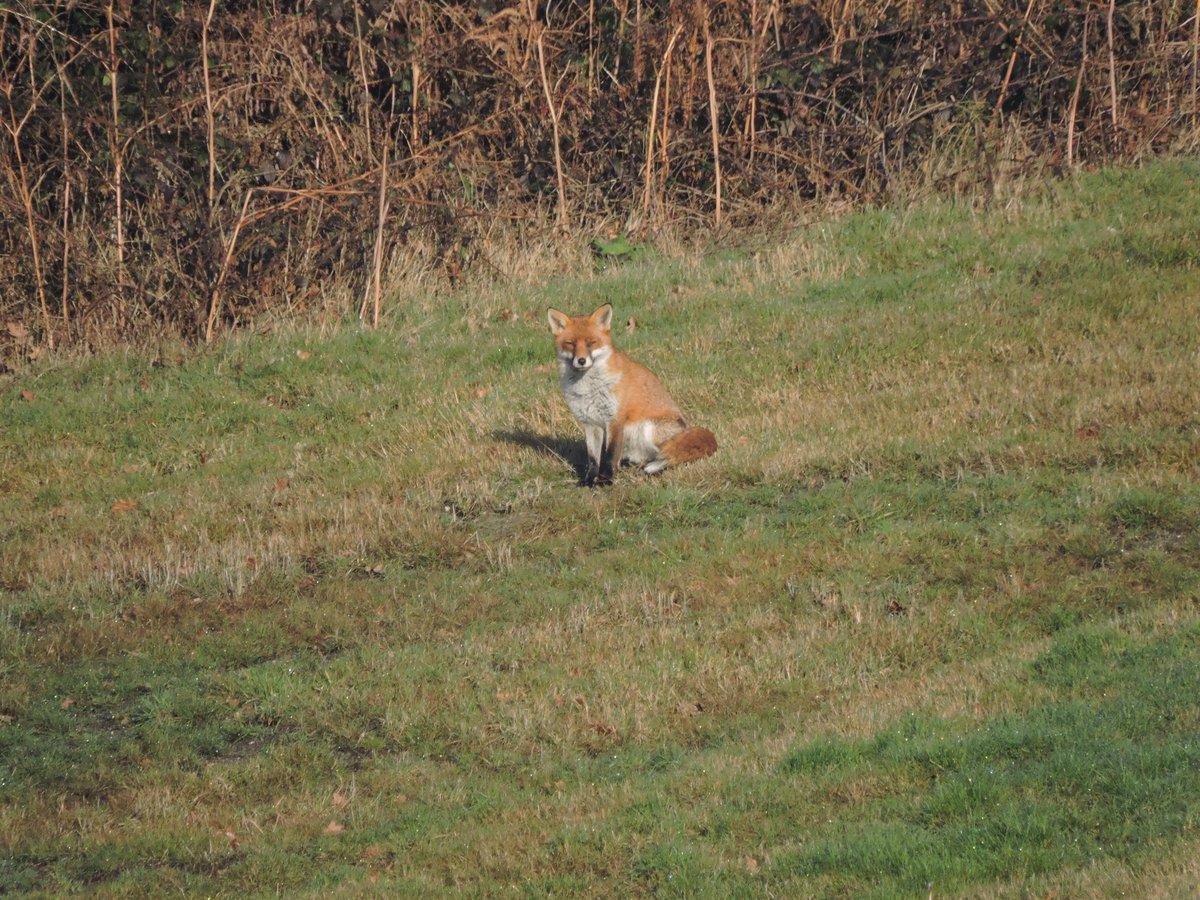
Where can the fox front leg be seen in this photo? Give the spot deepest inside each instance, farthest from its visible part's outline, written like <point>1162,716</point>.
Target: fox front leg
<point>593,436</point>
<point>615,449</point>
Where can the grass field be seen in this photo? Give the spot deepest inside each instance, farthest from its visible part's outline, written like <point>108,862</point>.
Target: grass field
<point>328,612</point>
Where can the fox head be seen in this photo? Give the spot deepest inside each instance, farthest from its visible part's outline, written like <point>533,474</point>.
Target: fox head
<point>582,341</point>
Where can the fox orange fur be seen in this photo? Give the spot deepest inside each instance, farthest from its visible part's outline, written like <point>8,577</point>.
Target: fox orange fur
<point>626,413</point>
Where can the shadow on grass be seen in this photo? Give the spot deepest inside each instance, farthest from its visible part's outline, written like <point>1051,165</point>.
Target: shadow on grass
<point>572,452</point>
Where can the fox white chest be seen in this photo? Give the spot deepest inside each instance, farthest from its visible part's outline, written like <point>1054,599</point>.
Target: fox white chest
<point>590,394</point>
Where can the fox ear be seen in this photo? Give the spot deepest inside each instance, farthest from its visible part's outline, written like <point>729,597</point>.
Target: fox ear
<point>603,316</point>
<point>558,320</point>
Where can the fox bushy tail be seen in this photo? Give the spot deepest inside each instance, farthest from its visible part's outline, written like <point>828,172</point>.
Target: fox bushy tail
<point>689,444</point>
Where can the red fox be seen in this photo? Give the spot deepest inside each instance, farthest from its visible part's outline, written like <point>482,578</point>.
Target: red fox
<point>626,413</point>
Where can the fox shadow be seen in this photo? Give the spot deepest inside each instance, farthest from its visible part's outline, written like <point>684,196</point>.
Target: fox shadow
<point>572,452</point>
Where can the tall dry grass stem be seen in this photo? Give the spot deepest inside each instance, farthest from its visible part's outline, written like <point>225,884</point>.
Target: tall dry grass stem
<point>554,113</point>
<point>1074,109</point>
<point>648,187</point>
<point>713,115</point>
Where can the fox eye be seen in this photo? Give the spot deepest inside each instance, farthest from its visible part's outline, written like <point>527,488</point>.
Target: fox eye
<point>569,345</point>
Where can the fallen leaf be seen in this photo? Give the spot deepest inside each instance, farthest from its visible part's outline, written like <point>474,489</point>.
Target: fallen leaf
<point>751,863</point>
<point>401,798</point>
<point>303,354</point>
<point>1087,431</point>
<point>895,609</point>
<point>339,800</point>
<point>372,851</point>
<point>481,392</point>
<point>631,324</point>
<point>124,505</point>
<point>67,703</point>
<point>689,709</point>
<point>27,396</point>
<point>280,484</point>
<point>334,827</point>
<point>233,841</point>
<point>17,330</point>
<point>543,368</point>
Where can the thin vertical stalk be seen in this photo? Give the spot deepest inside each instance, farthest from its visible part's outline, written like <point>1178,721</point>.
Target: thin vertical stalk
<point>558,169</point>
<point>118,153</point>
<point>1196,67</point>
<point>712,117</point>
<point>66,202</point>
<point>591,47</point>
<point>366,86</point>
<point>648,186</point>
<point>752,77</point>
<point>26,192</point>
<point>415,139</point>
<point>376,290</point>
<point>637,41</point>
<point>214,306</point>
<point>208,108</point>
<point>1112,61</point>
<point>1087,19</point>
<point>34,239</point>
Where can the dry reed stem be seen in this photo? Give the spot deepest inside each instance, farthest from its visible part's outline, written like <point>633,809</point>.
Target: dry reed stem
<point>34,239</point>
<point>1196,67</point>
<point>591,47</point>
<point>1078,90</point>
<point>664,139</point>
<point>366,85</point>
<point>376,292</point>
<point>752,80</point>
<point>66,203</point>
<point>1112,61</point>
<point>66,250</point>
<point>215,305</point>
<point>558,167</point>
<point>649,179</point>
<point>415,140</point>
<point>117,154</point>
<point>208,109</point>
<point>712,115</point>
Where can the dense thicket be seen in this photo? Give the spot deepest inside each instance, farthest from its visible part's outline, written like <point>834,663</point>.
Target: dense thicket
<point>186,164</point>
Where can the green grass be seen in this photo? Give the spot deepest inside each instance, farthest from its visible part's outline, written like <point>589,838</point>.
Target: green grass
<point>327,611</point>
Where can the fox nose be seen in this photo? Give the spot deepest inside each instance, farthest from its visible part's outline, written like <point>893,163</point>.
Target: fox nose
<point>581,360</point>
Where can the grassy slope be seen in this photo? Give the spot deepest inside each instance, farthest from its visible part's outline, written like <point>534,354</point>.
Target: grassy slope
<point>929,617</point>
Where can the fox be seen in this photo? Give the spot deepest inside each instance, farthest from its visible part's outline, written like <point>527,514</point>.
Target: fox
<point>625,412</point>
